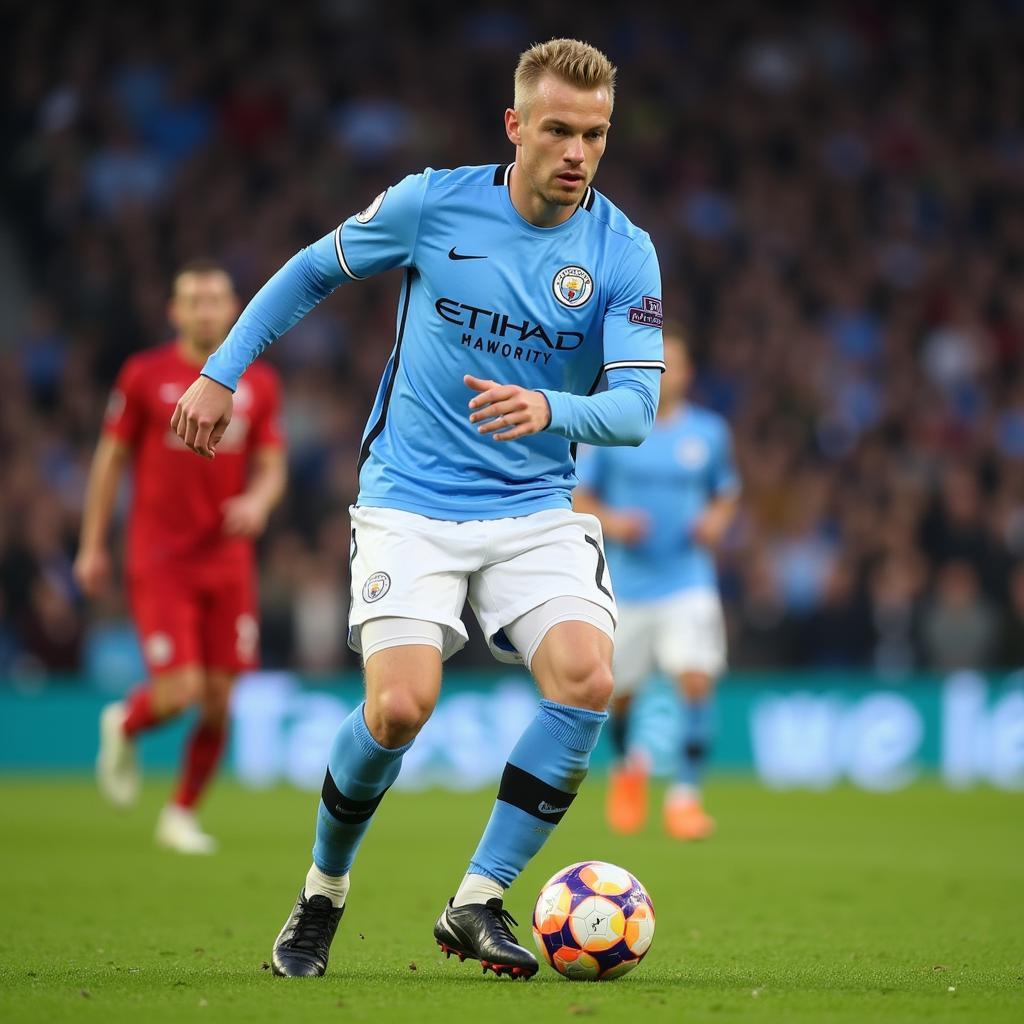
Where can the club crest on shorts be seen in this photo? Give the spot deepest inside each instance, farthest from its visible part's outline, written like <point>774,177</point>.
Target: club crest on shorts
<point>159,648</point>
<point>376,586</point>
<point>572,286</point>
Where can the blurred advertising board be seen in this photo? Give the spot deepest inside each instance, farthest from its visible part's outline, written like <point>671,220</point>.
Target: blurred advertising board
<point>793,730</point>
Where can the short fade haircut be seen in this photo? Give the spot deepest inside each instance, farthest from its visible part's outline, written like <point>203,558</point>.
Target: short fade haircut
<point>202,265</point>
<point>575,62</point>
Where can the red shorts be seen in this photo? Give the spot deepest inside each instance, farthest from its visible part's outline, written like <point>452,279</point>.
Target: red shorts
<point>196,618</point>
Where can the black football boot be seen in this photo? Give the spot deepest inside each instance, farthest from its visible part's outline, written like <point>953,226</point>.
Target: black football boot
<point>481,932</point>
<point>304,943</point>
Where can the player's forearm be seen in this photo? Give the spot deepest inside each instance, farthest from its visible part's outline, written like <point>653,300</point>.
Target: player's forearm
<point>305,280</point>
<point>101,491</point>
<point>717,519</point>
<point>269,477</point>
<point>622,415</point>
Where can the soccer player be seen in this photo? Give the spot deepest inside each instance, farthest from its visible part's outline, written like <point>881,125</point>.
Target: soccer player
<point>664,507</point>
<point>189,560</point>
<point>523,287</point>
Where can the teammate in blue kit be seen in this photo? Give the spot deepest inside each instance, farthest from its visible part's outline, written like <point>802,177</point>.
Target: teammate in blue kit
<point>523,288</point>
<point>664,507</point>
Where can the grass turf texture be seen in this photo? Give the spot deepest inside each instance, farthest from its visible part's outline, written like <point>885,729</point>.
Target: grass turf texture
<point>840,906</point>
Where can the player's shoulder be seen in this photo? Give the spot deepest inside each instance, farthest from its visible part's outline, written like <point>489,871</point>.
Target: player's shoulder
<point>475,176</point>
<point>148,361</point>
<point>605,213</point>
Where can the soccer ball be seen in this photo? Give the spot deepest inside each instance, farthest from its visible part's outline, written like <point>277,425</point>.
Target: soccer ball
<point>593,921</point>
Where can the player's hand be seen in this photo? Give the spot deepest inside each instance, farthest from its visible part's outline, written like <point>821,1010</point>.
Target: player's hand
<point>626,527</point>
<point>202,415</point>
<point>244,516</point>
<point>92,570</point>
<point>711,527</point>
<point>515,411</point>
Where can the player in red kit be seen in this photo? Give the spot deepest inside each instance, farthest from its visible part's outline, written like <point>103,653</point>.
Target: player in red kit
<point>189,565</point>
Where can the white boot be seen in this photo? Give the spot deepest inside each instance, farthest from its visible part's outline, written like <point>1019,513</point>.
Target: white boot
<point>117,768</point>
<point>177,829</point>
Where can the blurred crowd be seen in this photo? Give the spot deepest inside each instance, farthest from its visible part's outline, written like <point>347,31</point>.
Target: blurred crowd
<point>835,194</point>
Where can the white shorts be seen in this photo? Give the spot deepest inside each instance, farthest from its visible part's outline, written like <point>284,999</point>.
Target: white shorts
<point>683,632</point>
<point>408,566</point>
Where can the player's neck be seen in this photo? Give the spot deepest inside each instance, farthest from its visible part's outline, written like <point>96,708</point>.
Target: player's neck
<point>193,353</point>
<point>532,207</point>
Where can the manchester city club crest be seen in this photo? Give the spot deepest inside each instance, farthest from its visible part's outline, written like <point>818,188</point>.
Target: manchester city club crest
<point>376,586</point>
<point>692,452</point>
<point>572,286</point>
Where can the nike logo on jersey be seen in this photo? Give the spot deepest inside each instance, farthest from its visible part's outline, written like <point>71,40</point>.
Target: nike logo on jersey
<point>545,808</point>
<point>453,255</point>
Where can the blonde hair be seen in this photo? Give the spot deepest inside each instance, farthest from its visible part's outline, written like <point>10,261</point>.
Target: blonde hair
<point>575,62</point>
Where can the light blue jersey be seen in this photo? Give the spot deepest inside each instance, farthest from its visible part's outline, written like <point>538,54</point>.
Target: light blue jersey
<point>489,294</point>
<point>685,462</point>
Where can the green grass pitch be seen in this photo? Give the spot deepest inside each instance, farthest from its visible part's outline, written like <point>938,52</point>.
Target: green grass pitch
<point>838,906</point>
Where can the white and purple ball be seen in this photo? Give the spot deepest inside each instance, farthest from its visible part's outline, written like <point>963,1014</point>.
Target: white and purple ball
<point>593,921</point>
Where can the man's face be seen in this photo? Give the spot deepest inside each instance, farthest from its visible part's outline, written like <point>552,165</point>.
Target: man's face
<point>203,307</point>
<point>562,134</point>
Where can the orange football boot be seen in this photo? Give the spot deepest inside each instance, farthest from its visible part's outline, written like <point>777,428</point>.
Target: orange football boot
<point>627,799</point>
<point>686,820</point>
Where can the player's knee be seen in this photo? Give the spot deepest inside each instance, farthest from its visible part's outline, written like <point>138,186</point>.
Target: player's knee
<point>396,714</point>
<point>176,691</point>
<point>587,684</point>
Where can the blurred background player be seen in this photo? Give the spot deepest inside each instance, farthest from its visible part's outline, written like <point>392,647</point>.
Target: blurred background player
<point>189,560</point>
<point>664,507</point>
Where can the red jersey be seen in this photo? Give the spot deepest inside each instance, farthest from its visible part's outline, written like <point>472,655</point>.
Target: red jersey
<point>178,496</point>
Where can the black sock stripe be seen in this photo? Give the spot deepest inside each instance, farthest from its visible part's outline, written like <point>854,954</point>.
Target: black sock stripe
<point>599,575</point>
<point>345,809</point>
<point>533,795</point>
<point>696,750</point>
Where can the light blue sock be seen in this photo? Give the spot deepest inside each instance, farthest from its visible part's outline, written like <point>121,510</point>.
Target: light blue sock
<point>540,781</point>
<point>359,772</point>
<point>697,730</point>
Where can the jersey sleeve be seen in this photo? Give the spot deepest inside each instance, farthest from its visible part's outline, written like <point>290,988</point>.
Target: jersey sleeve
<point>624,414</point>
<point>725,481</point>
<point>383,236</point>
<point>126,409</point>
<point>267,431</point>
<point>380,237</point>
<point>633,315</point>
